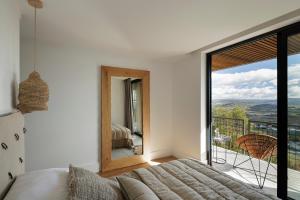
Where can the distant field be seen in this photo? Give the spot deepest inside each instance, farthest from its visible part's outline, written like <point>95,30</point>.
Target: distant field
<point>266,111</point>
<point>263,110</point>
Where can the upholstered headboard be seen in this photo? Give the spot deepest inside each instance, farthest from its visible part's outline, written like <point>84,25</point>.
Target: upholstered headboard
<point>11,150</point>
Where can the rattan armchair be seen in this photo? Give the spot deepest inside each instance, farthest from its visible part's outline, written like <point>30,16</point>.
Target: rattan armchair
<point>261,147</point>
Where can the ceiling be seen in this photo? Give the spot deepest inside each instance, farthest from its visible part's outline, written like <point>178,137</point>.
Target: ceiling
<point>155,29</point>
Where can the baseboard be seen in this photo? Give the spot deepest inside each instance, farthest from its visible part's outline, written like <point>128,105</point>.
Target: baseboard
<point>95,166</point>
<point>183,155</point>
<point>160,153</point>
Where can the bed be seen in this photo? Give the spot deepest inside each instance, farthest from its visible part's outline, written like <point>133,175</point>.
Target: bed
<point>121,137</point>
<point>176,180</point>
<point>191,179</point>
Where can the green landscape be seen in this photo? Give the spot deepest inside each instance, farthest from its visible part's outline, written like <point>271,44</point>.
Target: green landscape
<point>236,117</point>
<point>257,110</point>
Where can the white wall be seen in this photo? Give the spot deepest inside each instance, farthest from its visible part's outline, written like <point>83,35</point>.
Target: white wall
<point>9,54</point>
<point>117,101</point>
<point>189,90</point>
<point>186,107</point>
<point>69,131</point>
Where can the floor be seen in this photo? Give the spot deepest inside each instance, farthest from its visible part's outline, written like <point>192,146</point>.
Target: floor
<point>125,152</point>
<point>143,165</point>
<point>249,177</point>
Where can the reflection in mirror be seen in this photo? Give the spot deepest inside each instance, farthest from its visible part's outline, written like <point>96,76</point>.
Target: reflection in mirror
<point>126,117</point>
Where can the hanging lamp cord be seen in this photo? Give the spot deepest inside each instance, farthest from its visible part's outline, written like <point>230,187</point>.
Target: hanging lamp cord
<point>34,51</point>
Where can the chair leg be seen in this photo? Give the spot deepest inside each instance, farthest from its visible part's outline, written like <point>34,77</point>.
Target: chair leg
<point>235,159</point>
<point>254,171</point>
<point>259,172</point>
<point>261,180</point>
<point>269,161</point>
<point>236,165</point>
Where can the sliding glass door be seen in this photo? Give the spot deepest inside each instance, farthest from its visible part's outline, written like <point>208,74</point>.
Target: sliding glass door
<point>244,108</point>
<point>268,107</point>
<point>293,52</point>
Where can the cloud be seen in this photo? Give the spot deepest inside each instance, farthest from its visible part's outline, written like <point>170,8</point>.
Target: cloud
<point>234,79</point>
<point>256,84</point>
<point>244,93</point>
<point>294,81</point>
<point>294,91</point>
<point>294,71</point>
<point>274,82</point>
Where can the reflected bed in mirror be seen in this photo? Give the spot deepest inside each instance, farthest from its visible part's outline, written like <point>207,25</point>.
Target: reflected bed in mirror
<point>126,117</point>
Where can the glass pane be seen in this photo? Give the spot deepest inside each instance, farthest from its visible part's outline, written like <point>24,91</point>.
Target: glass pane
<point>294,116</point>
<point>244,105</point>
<point>126,117</point>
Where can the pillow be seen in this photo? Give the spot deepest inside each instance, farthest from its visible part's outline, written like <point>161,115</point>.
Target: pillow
<point>135,190</point>
<point>47,184</point>
<point>86,185</point>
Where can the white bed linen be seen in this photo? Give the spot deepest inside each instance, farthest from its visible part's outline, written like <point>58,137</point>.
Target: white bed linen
<point>48,184</point>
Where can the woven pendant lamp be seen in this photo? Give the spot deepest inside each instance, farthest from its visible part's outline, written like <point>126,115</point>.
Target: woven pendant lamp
<point>33,92</point>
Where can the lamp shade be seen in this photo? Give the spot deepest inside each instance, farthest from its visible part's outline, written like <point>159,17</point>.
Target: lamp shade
<point>33,94</point>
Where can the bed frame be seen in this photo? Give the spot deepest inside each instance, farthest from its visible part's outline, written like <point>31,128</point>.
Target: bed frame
<point>11,150</point>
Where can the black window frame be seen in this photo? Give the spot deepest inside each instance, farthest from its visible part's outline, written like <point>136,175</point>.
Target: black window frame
<point>282,101</point>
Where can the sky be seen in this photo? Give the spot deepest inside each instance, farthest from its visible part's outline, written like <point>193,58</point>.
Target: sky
<point>255,81</point>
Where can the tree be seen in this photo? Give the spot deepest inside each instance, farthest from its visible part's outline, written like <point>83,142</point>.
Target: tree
<point>236,112</point>
<point>220,111</point>
<point>239,112</point>
<point>228,122</point>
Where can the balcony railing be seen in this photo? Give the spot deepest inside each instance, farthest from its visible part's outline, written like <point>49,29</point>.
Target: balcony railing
<point>238,127</point>
<point>230,127</point>
<point>294,147</point>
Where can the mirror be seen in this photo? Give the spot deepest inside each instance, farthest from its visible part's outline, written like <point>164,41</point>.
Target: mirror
<point>125,115</point>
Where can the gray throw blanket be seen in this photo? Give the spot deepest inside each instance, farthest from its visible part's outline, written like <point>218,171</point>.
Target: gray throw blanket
<point>190,179</point>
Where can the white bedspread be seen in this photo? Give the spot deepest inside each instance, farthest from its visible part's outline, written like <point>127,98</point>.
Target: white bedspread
<point>48,184</point>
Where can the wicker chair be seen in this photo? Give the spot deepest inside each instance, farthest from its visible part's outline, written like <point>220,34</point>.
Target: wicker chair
<point>257,146</point>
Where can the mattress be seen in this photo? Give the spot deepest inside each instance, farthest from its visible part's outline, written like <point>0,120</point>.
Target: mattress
<point>190,179</point>
<point>121,137</point>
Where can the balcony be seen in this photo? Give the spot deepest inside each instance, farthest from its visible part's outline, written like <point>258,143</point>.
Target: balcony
<point>234,128</point>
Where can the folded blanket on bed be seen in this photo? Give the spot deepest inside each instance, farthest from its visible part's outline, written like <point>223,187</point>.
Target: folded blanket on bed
<point>191,179</point>
<point>121,137</point>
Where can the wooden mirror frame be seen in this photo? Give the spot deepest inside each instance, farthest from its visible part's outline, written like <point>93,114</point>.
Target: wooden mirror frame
<point>107,72</point>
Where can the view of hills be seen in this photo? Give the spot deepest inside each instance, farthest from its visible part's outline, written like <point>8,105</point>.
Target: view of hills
<point>262,110</point>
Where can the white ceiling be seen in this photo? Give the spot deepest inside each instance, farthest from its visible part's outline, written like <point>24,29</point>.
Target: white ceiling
<point>148,28</point>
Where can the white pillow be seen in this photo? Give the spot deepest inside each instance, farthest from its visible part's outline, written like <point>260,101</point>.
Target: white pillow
<point>48,184</point>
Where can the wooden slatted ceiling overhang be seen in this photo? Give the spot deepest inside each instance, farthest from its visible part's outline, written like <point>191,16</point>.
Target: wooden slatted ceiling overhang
<point>294,44</point>
<point>255,51</point>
